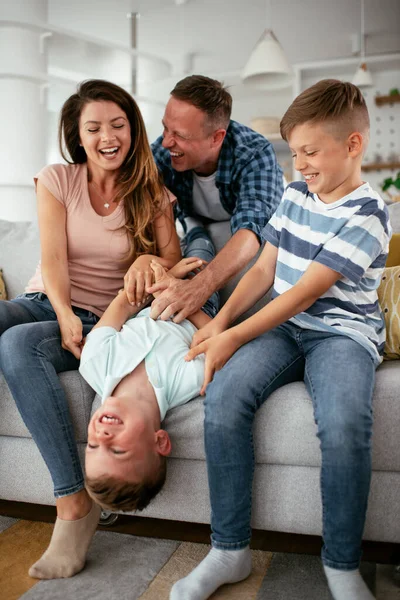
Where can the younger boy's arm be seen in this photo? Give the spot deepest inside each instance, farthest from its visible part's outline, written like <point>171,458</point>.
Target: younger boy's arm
<point>312,285</point>
<point>118,312</point>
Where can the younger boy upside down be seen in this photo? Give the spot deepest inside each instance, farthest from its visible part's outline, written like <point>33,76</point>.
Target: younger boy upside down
<point>137,366</point>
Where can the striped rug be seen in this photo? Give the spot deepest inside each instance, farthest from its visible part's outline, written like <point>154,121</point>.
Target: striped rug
<point>127,567</point>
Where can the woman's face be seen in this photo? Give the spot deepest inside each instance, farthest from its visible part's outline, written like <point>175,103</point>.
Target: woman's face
<point>105,135</point>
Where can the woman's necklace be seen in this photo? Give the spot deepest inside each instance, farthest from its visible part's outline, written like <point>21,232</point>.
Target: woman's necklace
<point>106,203</point>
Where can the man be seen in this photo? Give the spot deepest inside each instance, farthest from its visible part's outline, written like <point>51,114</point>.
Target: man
<point>219,170</point>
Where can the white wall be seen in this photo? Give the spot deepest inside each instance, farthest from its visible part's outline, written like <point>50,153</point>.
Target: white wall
<point>215,36</point>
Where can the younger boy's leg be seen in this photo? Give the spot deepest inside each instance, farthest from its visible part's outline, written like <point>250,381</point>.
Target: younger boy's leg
<point>232,399</point>
<point>340,376</point>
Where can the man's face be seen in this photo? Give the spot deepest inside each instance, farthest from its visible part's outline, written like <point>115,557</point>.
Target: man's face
<point>190,143</point>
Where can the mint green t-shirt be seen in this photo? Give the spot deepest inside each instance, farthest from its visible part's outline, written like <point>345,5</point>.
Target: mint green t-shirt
<point>109,355</point>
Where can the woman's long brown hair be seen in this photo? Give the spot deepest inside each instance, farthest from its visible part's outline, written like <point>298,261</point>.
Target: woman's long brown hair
<point>139,182</point>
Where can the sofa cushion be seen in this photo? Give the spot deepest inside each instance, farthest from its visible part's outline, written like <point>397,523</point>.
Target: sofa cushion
<point>284,430</point>
<point>19,254</point>
<point>389,299</point>
<point>3,291</point>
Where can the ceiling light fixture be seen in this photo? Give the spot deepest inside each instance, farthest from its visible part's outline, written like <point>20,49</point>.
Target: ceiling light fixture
<point>267,66</point>
<point>362,77</point>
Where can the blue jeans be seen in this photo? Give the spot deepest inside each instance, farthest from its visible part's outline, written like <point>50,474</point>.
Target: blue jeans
<point>198,243</point>
<point>31,357</point>
<point>339,375</point>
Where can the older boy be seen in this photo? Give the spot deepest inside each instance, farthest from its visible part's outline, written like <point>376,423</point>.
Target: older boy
<point>325,252</point>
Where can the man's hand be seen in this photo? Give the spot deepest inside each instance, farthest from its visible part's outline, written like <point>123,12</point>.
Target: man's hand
<point>180,298</point>
<point>137,279</point>
<point>218,351</point>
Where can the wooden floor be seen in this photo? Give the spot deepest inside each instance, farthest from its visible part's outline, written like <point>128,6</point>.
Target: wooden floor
<point>380,552</point>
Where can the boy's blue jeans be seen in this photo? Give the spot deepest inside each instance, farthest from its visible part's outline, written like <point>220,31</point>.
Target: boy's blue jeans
<point>31,357</point>
<point>339,375</point>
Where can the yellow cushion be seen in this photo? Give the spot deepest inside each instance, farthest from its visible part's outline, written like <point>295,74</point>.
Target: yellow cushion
<point>389,299</point>
<point>3,292</point>
<point>393,258</point>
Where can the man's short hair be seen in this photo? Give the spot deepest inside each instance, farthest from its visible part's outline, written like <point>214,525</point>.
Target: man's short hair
<point>337,104</point>
<point>118,495</point>
<point>209,95</point>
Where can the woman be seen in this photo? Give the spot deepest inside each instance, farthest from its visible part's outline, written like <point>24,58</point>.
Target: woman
<point>99,214</point>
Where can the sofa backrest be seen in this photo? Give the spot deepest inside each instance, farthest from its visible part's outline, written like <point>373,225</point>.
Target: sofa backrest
<point>20,250</point>
<point>19,254</point>
<point>394,214</point>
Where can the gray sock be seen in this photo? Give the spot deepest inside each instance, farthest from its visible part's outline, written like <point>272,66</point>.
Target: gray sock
<point>347,585</point>
<point>218,567</point>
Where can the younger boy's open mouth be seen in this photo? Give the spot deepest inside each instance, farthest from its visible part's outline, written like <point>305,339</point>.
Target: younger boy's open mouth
<point>110,419</point>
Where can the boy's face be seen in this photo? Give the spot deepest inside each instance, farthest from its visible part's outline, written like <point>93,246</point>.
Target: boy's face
<point>121,442</point>
<point>326,162</point>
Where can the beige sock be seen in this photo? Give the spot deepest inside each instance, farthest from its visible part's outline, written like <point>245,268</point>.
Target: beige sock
<point>66,554</point>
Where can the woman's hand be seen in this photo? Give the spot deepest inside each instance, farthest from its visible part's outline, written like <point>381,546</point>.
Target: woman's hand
<point>218,351</point>
<point>71,333</point>
<point>138,277</point>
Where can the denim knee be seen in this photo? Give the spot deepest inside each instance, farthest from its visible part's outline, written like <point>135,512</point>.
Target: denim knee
<point>346,432</point>
<point>12,346</point>
<point>227,402</point>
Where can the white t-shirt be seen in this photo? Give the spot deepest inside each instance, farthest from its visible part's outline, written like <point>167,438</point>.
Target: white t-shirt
<point>206,199</point>
<point>109,355</point>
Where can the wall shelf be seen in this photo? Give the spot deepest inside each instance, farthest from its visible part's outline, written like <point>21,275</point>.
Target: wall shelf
<point>381,166</point>
<point>391,99</point>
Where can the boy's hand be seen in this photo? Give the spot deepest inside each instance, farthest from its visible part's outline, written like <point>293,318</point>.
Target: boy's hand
<point>212,329</point>
<point>186,266</point>
<point>218,351</point>
<point>137,279</point>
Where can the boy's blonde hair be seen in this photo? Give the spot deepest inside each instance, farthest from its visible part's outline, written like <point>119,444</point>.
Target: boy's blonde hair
<point>340,105</point>
<point>118,495</point>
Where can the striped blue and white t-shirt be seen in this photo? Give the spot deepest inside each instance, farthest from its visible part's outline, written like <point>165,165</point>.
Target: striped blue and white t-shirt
<point>350,236</point>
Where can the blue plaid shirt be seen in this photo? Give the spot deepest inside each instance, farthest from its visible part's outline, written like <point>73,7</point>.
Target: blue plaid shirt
<point>248,178</point>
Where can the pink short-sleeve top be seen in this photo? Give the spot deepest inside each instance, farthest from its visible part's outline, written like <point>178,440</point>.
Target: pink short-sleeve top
<point>97,246</point>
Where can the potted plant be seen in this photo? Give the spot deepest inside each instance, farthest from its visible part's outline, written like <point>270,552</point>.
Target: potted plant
<point>395,183</point>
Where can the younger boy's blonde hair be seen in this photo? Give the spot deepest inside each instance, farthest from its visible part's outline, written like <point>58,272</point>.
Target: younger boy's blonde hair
<point>337,104</point>
<point>118,495</point>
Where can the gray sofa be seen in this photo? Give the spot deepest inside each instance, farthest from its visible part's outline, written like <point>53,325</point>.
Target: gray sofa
<point>286,484</point>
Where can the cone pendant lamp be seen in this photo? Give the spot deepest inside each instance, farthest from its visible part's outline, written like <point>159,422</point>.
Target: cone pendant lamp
<point>267,66</point>
<point>362,77</point>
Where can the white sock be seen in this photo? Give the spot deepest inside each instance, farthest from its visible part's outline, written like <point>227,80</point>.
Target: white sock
<point>218,567</point>
<point>347,585</point>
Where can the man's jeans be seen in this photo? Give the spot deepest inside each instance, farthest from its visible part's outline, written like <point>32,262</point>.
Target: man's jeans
<point>31,357</point>
<point>198,243</point>
<point>339,375</point>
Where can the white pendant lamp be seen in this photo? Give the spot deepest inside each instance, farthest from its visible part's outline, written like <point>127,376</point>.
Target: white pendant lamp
<point>362,77</point>
<point>267,66</point>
